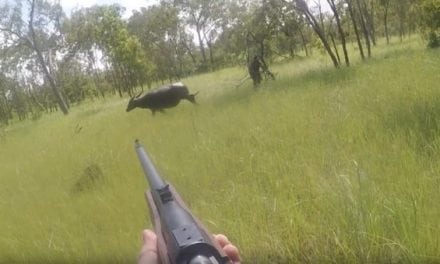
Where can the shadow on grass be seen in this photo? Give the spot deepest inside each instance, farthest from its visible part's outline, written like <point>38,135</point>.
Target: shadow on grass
<point>418,123</point>
<point>396,54</point>
<point>238,95</point>
<point>321,78</point>
<point>89,112</point>
<point>91,178</point>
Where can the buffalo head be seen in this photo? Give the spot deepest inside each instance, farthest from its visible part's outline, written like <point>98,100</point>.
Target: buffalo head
<point>132,104</point>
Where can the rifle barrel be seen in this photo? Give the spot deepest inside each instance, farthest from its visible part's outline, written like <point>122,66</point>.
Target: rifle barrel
<point>151,173</point>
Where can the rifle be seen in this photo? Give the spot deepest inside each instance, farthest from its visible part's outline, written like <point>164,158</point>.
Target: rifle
<point>181,238</point>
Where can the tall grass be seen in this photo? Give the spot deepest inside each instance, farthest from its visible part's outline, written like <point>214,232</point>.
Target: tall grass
<point>319,166</point>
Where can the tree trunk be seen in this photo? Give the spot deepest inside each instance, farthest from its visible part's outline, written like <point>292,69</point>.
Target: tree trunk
<point>401,29</point>
<point>304,42</point>
<point>201,46</point>
<point>364,28</point>
<point>193,58</point>
<point>369,18</point>
<point>356,31</point>
<point>301,5</point>
<point>96,76</point>
<point>5,110</point>
<point>211,53</point>
<point>340,30</point>
<point>323,40</point>
<point>33,43</point>
<point>385,22</point>
<point>190,53</point>
<point>335,47</point>
<point>291,51</point>
<point>60,99</point>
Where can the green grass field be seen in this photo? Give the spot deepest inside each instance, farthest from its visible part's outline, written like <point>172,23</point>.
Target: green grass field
<point>319,166</point>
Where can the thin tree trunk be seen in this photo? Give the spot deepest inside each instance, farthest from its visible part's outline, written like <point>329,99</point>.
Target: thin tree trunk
<point>211,53</point>
<point>385,22</point>
<point>356,30</point>
<point>301,4</point>
<point>364,28</point>
<point>369,18</point>
<point>340,30</point>
<point>291,51</point>
<point>97,78</point>
<point>190,53</point>
<point>304,43</point>
<point>201,46</point>
<point>53,86</point>
<point>401,29</point>
<point>57,93</point>
<point>323,40</point>
<point>335,47</point>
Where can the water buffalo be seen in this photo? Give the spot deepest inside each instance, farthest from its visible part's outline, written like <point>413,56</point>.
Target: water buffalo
<point>163,97</point>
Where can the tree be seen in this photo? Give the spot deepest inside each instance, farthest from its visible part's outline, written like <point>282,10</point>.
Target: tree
<point>404,11</point>
<point>368,9</point>
<point>352,11</point>
<point>205,17</point>
<point>80,35</point>
<point>231,42</point>
<point>301,5</point>
<point>162,34</point>
<point>101,30</point>
<point>293,28</point>
<point>39,33</point>
<point>362,15</point>
<point>430,21</point>
<point>385,5</point>
<point>334,8</point>
<point>6,85</point>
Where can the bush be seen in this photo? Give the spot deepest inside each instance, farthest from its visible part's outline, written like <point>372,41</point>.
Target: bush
<point>433,40</point>
<point>430,21</point>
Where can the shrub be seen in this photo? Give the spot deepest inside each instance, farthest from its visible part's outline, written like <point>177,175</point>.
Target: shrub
<point>430,21</point>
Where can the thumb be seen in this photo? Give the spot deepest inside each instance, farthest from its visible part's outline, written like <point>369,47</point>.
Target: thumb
<point>148,254</point>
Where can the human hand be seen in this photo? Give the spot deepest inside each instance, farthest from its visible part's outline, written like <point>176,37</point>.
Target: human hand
<point>149,255</point>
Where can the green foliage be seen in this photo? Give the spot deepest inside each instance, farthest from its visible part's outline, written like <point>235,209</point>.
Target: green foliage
<point>30,33</point>
<point>165,41</point>
<point>206,18</point>
<point>321,166</point>
<point>231,44</point>
<point>430,21</point>
<point>101,27</point>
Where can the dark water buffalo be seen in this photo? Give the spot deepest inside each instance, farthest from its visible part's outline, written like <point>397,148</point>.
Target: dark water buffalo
<point>161,98</point>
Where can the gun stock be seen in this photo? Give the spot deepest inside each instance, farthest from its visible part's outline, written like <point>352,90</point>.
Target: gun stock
<point>181,237</point>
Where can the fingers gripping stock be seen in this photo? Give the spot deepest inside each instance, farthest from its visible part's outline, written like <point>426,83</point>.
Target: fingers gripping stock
<point>182,239</point>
